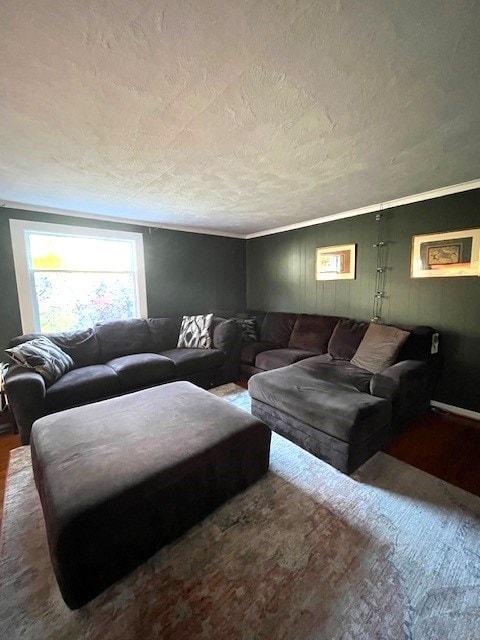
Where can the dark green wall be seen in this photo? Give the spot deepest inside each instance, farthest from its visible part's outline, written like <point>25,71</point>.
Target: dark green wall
<point>280,277</point>
<point>186,273</point>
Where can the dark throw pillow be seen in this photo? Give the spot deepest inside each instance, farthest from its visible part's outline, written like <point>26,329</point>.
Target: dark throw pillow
<point>195,332</point>
<point>379,347</point>
<point>346,339</point>
<point>43,356</point>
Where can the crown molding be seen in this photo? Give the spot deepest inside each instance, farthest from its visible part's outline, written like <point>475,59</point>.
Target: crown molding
<point>8,204</point>
<point>389,204</point>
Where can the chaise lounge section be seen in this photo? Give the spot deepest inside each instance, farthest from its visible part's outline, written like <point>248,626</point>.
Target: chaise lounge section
<point>308,389</point>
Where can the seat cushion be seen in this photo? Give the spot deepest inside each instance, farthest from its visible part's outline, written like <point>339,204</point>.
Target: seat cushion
<point>277,327</point>
<point>339,372</point>
<point>276,358</point>
<point>252,349</point>
<point>81,386</point>
<point>346,414</point>
<point>123,337</point>
<point>312,332</point>
<point>188,361</point>
<point>142,369</point>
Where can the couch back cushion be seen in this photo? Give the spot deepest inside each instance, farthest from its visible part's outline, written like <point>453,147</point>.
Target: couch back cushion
<point>380,347</point>
<point>346,338</point>
<point>277,327</point>
<point>122,338</point>
<point>82,346</point>
<point>312,332</point>
<point>164,332</point>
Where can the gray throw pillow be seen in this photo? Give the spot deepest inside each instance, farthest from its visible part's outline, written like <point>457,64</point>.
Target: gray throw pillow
<point>195,332</point>
<point>43,356</point>
<point>379,347</point>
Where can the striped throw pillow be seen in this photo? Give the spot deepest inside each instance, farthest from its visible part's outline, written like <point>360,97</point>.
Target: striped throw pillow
<point>195,332</point>
<point>43,356</point>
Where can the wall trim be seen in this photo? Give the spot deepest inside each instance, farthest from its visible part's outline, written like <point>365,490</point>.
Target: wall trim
<point>459,411</point>
<point>7,204</point>
<point>389,204</point>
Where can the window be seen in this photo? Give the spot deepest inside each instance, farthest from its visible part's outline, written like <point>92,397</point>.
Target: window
<point>72,277</point>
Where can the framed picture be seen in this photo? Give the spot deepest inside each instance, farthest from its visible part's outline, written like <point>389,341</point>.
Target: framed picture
<point>442,255</point>
<point>335,263</point>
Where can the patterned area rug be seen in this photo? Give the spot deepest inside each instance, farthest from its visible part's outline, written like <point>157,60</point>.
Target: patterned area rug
<point>305,554</point>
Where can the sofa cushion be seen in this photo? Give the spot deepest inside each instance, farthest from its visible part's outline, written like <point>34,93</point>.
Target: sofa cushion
<point>122,338</point>
<point>345,414</point>
<point>142,369</point>
<point>81,346</point>
<point>277,327</point>
<point>81,386</point>
<point>188,361</point>
<point>312,332</point>
<point>252,349</point>
<point>339,372</point>
<point>43,356</point>
<point>276,358</point>
<point>248,328</point>
<point>379,347</point>
<point>196,332</point>
<point>224,334</point>
<point>164,332</point>
<point>346,338</point>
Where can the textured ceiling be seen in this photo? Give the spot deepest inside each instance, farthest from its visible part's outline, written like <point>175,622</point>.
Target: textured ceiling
<point>236,115</point>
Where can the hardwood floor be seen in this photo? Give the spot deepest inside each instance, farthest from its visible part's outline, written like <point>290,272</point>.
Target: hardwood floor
<point>446,446</point>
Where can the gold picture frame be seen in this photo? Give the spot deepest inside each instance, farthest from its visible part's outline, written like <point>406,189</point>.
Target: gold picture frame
<point>335,263</point>
<point>446,255</point>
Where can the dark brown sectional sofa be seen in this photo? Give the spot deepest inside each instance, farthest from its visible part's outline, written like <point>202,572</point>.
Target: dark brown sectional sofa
<point>115,358</point>
<point>303,385</point>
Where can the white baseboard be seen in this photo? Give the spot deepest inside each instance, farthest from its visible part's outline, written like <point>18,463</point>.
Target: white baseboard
<point>466,413</point>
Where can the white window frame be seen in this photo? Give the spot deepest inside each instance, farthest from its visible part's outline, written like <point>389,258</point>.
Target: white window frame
<point>27,298</point>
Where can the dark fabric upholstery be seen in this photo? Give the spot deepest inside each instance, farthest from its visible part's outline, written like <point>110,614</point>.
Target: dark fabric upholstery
<point>146,468</point>
<point>409,386</point>
<point>338,372</point>
<point>224,334</point>
<point>189,361</point>
<point>342,412</point>
<point>342,455</point>
<point>276,358</point>
<point>26,391</point>
<point>277,327</point>
<point>419,343</point>
<point>142,369</point>
<point>312,332</point>
<point>164,332</point>
<point>83,385</point>
<point>81,346</point>
<point>122,338</point>
<point>346,338</point>
<point>251,350</point>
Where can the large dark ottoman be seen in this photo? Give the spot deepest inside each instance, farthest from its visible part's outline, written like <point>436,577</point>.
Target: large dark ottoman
<point>120,478</point>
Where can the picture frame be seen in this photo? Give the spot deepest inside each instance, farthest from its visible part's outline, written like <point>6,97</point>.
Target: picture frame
<point>446,255</point>
<point>335,263</point>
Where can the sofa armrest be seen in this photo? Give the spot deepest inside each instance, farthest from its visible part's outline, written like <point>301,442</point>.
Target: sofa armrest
<point>409,386</point>
<point>26,394</point>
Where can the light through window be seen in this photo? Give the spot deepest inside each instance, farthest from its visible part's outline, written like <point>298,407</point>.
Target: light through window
<point>79,279</point>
